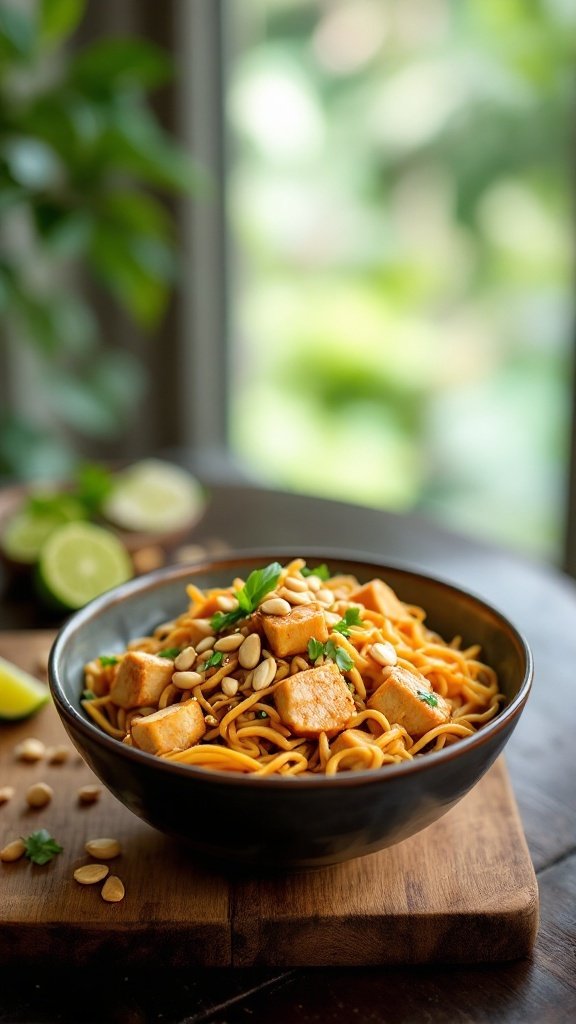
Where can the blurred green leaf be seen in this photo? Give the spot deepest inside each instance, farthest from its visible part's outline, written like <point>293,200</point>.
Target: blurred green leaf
<point>17,32</point>
<point>32,163</point>
<point>112,64</point>
<point>99,401</point>
<point>65,231</point>
<point>28,452</point>
<point>138,212</point>
<point>131,268</point>
<point>59,18</point>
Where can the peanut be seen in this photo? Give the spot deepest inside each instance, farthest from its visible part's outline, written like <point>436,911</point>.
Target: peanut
<point>383,653</point>
<point>186,680</point>
<point>89,874</point>
<point>249,652</point>
<point>276,606</point>
<point>12,851</point>
<point>39,794</point>
<point>30,750</point>
<point>113,890</point>
<point>229,643</point>
<point>89,794</point>
<point>103,849</point>
<point>6,794</point>
<point>185,659</point>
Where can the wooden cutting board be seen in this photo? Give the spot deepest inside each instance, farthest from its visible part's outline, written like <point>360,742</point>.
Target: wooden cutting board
<point>464,890</point>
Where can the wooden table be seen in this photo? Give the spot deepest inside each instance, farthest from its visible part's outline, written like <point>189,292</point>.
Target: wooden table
<point>541,758</point>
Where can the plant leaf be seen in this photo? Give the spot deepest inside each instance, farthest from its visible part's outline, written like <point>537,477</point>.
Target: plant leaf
<point>110,64</point>
<point>59,18</point>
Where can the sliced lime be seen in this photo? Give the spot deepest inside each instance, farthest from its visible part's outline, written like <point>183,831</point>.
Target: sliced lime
<point>20,694</point>
<point>28,529</point>
<point>154,496</point>
<point>79,561</point>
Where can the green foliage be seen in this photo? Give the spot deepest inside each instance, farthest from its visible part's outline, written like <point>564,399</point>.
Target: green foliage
<point>80,152</point>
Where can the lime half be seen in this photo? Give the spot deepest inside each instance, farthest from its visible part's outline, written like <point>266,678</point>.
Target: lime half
<point>153,496</point>
<point>28,529</point>
<point>20,694</point>
<point>79,561</point>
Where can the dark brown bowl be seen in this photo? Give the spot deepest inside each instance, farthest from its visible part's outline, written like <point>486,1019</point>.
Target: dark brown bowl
<point>285,822</point>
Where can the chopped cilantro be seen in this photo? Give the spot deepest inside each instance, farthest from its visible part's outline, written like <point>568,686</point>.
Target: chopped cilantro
<point>428,698</point>
<point>107,659</point>
<point>41,847</point>
<point>88,695</point>
<point>322,571</point>
<point>315,649</point>
<point>261,714</point>
<point>215,659</point>
<point>339,655</point>
<point>351,618</point>
<point>330,650</point>
<point>169,652</point>
<point>259,583</point>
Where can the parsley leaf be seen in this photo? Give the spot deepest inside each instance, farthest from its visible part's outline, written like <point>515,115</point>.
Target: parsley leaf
<point>322,571</point>
<point>351,618</point>
<point>88,695</point>
<point>41,847</point>
<point>315,649</point>
<point>169,652</point>
<point>259,583</point>
<point>339,655</point>
<point>107,659</point>
<point>215,659</point>
<point>428,698</point>
<point>330,650</point>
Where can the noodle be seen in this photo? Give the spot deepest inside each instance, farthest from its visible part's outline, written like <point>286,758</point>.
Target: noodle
<point>337,676</point>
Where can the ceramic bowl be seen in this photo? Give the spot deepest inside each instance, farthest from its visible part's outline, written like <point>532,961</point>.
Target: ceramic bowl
<point>285,822</point>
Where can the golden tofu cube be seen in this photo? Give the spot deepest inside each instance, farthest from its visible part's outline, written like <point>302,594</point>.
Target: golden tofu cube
<point>406,698</point>
<point>315,701</point>
<point>289,634</point>
<point>351,738</point>
<point>140,679</point>
<point>377,596</point>
<point>173,728</point>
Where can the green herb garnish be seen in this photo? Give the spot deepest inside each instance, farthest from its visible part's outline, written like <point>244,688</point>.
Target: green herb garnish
<point>215,659</point>
<point>41,847</point>
<point>88,695</point>
<point>107,659</point>
<point>315,649</point>
<point>169,652</point>
<point>351,618</point>
<point>259,583</point>
<point>261,714</point>
<point>428,698</point>
<point>321,571</point>
<point>330,650</point>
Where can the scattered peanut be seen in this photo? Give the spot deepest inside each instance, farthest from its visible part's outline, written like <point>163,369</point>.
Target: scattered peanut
<point>89,874</point>
<point>39,794</point>
<point>211,721</point>
<point>314,583</point>
<point>58,754</point>
<point>294,597</point>
<point>276,606</point>
<point>103,849</point>
<point>186,680</point>
<point>226,603</point>
<point>264,674</point>
<point>113,890</point>
<point>229,643</point>
<point>12,851</point>
<point>89,794</point>
<point>190,553</point>
<point>249,652</point>
<point>229,686</point>
<point>325,596</point>
<point>204,626</point>
<point>383,653</point>
<point>30,750</point>
<point>185,659</point>
<point>296,583</point>
<point>206,644</point>
<point>6,794</point>
<point>148,558</point>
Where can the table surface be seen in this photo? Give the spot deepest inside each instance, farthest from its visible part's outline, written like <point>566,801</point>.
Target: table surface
<point>541,758</point>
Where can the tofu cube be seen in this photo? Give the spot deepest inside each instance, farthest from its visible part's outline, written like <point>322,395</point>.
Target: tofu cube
<point>402,698</point>
<point>315,701</point>
<point>377,596</point>
<point>289,634</point>
<point>351,738</point>
<point>140,679</point>
<point>176,727</point>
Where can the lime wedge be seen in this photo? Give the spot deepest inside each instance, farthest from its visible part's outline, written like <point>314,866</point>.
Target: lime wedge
<point>20,694</point>
<point>79,561</point>
<point>153,496</point>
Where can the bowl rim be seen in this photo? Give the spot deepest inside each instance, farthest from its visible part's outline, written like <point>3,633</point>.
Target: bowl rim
<point>170,574</point>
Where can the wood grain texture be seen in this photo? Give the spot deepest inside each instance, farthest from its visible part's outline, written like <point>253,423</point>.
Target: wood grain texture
<point>462,891</point>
